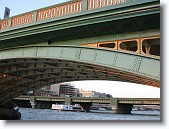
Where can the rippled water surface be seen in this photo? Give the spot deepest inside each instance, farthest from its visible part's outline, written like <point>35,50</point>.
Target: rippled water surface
<point>47,114</point>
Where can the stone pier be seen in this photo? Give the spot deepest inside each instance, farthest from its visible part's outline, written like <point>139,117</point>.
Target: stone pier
<point>120,108</point>
<point>33,101</point>
<point>68,100</point>
<point>7,112</point>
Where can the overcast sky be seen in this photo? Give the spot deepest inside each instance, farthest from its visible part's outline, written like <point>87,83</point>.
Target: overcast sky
<point>117,89</point>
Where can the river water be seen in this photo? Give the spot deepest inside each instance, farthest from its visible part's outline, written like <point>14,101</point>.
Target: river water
<point>48,114</point>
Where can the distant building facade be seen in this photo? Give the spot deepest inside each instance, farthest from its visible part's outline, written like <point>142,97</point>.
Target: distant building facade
<point>87,93</point>
<point>55,89</point>
<point>44,91</point>
<point>65,89</point>
<point>90,93</point>
<point>68,89</point>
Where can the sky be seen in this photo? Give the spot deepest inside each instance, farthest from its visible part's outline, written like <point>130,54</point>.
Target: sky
<point>21,6</point>
<point>116,89</point>
<point>119,89</point>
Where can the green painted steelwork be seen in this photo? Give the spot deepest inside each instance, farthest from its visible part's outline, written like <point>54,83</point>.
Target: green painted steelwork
<point>113,37</point>
<point>41,49</point>
<point>111,101</point>
<point>133,16</point>
<point>68,100</point>
<point>118,105</point>
<point>148,67</point>
<point>32,67</point>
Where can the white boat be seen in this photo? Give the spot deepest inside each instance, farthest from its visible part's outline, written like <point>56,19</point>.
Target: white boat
<point>73,108</point>
<point>102,109</point>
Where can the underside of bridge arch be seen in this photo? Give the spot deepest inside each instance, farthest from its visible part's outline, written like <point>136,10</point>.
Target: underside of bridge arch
<point>20,75</point>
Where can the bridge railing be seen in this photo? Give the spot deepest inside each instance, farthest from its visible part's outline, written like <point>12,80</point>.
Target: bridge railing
<point>56,11</point>
<point>93,4</point>
<point>61,10</point>
<point>21,20</point>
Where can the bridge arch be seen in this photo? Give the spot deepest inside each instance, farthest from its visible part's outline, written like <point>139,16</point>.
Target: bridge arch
<point>27,68</point>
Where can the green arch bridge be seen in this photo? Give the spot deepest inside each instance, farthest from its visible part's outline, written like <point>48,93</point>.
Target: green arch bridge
<point>116,40</point>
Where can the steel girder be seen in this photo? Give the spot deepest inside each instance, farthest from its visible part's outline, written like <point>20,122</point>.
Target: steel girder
<point>27,68</point>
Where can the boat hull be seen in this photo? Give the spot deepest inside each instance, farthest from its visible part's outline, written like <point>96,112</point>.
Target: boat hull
<point>72,108</point>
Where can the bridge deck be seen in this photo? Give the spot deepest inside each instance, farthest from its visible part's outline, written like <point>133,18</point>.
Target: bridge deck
<point>134,101</point>
<point>68,21</point>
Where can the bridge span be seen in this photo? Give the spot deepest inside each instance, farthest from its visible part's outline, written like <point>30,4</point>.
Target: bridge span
<point>29,68</point>
<point>118,105</point>
<point>116,40</point>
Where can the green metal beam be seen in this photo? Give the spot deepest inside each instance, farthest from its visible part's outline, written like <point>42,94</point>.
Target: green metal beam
<point>131,16</point>
<point>126,61</point>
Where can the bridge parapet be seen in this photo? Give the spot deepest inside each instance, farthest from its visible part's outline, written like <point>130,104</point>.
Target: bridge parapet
<point>93,4</point>
<point>58,10</point>
<point>142,101</point>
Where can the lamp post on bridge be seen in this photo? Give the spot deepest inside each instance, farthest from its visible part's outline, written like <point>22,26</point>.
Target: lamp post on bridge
<point>6,12</point>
